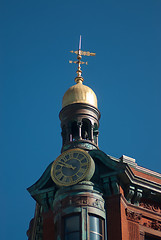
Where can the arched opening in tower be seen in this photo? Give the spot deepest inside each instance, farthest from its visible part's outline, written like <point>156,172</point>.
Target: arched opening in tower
<point>75,131</point>
<point>86,129</point>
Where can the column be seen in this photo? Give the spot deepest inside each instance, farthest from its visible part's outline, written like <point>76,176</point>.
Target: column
<point>92,127</point>
<point>79,124</point>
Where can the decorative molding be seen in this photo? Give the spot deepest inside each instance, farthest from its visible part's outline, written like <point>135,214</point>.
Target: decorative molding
<point>106,185</point>
<point>114,184</point>
<point>148,171</point>
<point>130,193</point>
<point>130,161</point>
<point>134,195</point>
<point>98,204</point>
<point>154,224</point>
<point>85,144</point>
<point>133,216</point>
<point>138,195</point>
<point>153,207</point>
<point>79,201</point>
<point>110,184</point>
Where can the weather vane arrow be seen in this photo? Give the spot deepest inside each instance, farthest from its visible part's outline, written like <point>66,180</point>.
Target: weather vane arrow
<point>79,53</point>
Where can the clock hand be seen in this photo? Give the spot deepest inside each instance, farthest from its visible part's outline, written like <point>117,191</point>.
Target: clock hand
<point>67,165</point>
<point>70,166</point>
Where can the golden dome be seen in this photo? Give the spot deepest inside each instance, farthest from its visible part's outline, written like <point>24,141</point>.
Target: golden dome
<point>79,93</point>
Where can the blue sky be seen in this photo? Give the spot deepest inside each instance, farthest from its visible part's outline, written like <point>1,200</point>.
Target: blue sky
<point>36,37</point>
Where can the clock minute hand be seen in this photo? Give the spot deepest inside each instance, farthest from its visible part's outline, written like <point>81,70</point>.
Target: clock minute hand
<point>70,166</point>
<point>67,165</point>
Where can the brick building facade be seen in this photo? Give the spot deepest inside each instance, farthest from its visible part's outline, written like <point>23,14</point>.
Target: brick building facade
<point>86,194</point>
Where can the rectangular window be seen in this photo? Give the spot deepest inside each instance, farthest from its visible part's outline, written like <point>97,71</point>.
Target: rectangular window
<point>72,227</point>
<point>96,230</point>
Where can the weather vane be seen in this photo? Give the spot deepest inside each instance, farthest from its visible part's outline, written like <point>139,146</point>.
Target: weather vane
<point>79,62</point>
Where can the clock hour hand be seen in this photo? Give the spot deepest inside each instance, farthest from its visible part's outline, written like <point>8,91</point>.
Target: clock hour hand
<point>67,165</point>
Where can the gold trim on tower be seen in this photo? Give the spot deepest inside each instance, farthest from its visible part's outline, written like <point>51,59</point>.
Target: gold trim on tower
<point>80,93</point>
<point>79,53</point>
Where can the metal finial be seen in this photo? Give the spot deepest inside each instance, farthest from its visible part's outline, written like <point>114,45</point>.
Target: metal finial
<point>79,53</point>
<point>80,43</point>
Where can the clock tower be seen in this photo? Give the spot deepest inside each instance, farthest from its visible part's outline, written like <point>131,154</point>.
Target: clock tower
<point>85,194</point>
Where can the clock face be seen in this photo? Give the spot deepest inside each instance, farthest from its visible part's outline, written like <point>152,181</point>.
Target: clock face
<point>71,167</point>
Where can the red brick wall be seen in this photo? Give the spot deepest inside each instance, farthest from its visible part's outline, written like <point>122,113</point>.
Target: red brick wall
<point>118,226</point>
<point>134,232</point>
<point>113,218</point>
<point>48,226</point>
<point>124,222</point>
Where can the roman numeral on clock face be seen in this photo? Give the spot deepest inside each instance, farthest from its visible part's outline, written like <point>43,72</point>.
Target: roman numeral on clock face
<point>84,160</point>
<point>66,179</point>
<point>57,172</point>
<point>59,176</point>
<point>82,170</point>
<point>80,156</point>
<point>84,165</point>
<point>74,178</point>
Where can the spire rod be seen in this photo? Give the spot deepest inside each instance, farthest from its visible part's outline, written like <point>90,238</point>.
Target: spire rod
<point>80,43</point>
<point>79,53</point>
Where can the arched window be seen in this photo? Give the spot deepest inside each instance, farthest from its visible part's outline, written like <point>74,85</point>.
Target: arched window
<point>75,131</point>
<point>85,129</point>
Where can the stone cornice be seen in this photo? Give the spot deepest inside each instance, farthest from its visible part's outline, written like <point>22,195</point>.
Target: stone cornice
<point>142,182</point>
<point>148,171</point>
<point>125,173</point>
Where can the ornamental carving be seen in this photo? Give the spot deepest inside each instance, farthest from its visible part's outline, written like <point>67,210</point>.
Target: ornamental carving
<point>79,201</point>
<point>154,224</point>
<point>152,207</point>
<point>133,216</point>
<point>99,204</point>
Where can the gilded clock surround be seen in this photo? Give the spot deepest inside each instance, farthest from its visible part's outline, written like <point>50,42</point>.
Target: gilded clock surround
<point>71,167</point>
